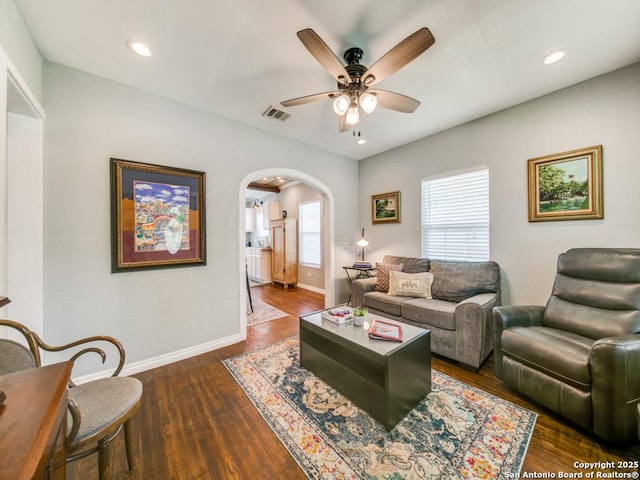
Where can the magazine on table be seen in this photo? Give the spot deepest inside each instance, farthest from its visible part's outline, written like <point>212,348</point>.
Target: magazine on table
<point>381,330</point>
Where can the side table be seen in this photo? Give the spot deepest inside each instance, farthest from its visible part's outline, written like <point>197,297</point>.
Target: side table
<point>362,272</point>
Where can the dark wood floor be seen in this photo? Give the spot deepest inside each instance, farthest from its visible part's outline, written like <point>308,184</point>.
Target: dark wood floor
<point>196,423</point>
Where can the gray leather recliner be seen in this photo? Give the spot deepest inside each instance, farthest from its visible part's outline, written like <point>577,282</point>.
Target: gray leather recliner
<point>579,356</point>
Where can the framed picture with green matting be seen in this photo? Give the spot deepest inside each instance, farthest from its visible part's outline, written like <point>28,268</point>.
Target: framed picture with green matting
<point>385,208</point>
<point>566,186</point>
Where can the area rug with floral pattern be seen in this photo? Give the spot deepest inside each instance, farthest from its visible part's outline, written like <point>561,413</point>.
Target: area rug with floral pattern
<point>457,431</point>
<point>262,312</point>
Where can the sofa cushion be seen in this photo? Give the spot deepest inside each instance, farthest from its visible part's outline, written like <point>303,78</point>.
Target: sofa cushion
<point>559,354</point>
<point>384,302</point>
<point>456,281</point>
<point>410,264</point>
<point>382,275</point>
<point>410,284</point>
<point>430,312</point>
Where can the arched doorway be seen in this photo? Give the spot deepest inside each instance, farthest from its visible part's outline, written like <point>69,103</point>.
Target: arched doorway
<point>328,228</point>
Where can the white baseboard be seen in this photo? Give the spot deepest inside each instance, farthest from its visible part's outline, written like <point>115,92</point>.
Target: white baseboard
<point>166,359</point>
<point>310,288</point>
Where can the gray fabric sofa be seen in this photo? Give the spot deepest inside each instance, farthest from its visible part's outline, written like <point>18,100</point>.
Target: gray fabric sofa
<point>459,315</point>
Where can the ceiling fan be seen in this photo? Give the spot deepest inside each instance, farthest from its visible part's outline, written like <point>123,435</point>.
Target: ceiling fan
<point>355,80</point>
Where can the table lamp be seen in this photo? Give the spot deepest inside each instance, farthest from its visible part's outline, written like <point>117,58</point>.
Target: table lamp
<point>362,242</point>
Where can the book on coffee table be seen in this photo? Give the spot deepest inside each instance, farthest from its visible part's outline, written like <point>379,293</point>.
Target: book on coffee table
<point>338,315</point>
<point>381,330</point>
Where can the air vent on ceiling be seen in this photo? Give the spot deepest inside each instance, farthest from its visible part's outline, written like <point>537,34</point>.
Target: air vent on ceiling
<point>276,114</point>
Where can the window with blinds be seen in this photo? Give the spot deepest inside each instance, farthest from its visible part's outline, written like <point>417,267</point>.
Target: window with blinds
<point>310,238</point>
<point>455,216</point>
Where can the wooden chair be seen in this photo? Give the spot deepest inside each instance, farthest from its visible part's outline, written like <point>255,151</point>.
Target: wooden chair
<point>99,409</point>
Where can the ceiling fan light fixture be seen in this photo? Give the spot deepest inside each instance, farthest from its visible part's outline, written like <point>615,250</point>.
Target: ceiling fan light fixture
<point>368,102</point>
<point>353,116</point>
<point>354,79</point>
<point>341,105</point>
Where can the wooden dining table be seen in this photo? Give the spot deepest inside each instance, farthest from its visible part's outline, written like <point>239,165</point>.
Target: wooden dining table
<point>33,423</point>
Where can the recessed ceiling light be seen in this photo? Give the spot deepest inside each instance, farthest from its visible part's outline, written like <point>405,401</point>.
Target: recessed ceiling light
<point>554,57</point>
<point>139,48</point>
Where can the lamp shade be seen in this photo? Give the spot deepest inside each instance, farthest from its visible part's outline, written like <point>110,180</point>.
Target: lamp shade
<point>341,105</point>
<point>362,241</point>
<point>353,116</point>
<point>368,102</point>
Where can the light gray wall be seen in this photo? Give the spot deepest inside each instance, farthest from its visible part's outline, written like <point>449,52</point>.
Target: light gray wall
<point>154,313</point>
<point>21,168</point>
<point>16,41</point>
<point>290,200</point>
<point>604,110</point>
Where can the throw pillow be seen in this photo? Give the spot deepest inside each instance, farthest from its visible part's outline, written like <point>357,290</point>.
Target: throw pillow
<point>382,275</point>
<point>404,284</point>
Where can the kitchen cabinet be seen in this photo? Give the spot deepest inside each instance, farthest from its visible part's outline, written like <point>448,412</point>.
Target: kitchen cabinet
<point>258,219</point>
<point>250,219</point>
<point>270,211</point>
<point>259,264</point>
<point>284,247</point>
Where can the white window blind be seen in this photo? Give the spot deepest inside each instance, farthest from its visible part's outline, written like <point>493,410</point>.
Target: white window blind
<point>455,216</point>
<point>310,220</point>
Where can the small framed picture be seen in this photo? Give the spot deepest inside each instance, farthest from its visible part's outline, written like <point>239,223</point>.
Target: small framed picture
<point>385,208</point>
<point>566,186</point>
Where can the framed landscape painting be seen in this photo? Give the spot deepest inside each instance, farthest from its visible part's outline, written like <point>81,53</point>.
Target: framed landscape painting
<point>157,216</point>
<point>385,208</point>
<point>566,186</point>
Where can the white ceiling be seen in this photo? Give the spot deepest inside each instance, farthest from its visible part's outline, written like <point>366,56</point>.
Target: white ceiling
<point>236,58</point>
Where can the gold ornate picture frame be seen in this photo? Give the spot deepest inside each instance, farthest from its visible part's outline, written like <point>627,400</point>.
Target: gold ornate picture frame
<point>566,186</point>
<point>157,216</point>
<point>385,208</point>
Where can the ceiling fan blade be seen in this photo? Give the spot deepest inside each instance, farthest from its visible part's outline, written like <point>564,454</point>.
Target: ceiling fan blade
<point>324,55</point>
<point>396,58</point>
<point>395,101</point>
<point>308,99</point>
<point>342,124</point>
